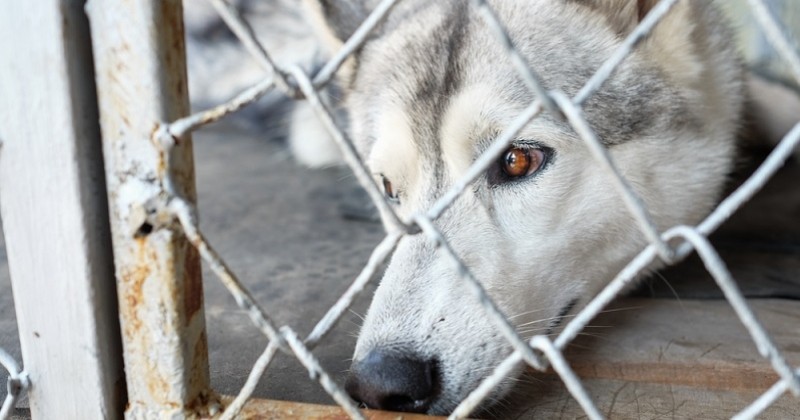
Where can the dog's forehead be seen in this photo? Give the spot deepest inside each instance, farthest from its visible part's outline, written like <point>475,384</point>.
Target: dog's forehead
<point>437,60</point>
<point>408,79</point>
<point>429,51</point>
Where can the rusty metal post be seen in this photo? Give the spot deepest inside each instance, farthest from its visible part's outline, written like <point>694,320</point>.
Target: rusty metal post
<point>140,68</point>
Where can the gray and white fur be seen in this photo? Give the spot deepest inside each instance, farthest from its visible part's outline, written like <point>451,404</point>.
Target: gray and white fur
<point>426,95</point>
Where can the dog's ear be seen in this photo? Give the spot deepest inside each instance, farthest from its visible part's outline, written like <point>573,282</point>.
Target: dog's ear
<point>335,20</point>
<point>623,15</point>
<point>672,42</point>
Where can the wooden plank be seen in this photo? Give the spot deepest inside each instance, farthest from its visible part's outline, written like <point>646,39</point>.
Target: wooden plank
<point>547,398</point>
<point>658,358</point>
<point>140,64</point>
<point>693,343</point>
<point>649,357</point>
<point>257,409</point>
<point>54,212</point>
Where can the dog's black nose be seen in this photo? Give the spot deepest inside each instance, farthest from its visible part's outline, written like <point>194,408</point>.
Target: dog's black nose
<point>393,381</point>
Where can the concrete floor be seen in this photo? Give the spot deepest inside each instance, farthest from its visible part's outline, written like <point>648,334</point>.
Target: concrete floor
<point>281,228</point>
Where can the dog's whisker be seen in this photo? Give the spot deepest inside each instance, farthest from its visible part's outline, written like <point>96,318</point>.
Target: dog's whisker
<point>535,329</point>
<point>574,315</point>
<point>532,312</point>
<point>669,285</point>
<point>538,321</point>
<point>598,336</point>
<point>353,323</point>
<point>358,315</point>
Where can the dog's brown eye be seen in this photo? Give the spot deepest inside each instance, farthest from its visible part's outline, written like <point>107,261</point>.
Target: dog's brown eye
<point>389,189</point>
<point>517,162</point>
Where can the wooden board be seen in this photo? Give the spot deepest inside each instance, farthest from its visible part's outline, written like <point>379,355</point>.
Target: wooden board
<point>619,399</point>
<point>651,358</point>
<point>644,359</point>
<point>694,343</point>
<point>257,409</point>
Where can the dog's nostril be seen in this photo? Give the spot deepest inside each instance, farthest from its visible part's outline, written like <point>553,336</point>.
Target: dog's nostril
<point>393,381</point>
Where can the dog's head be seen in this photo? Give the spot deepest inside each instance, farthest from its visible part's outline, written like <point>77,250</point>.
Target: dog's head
<point>543,229</point>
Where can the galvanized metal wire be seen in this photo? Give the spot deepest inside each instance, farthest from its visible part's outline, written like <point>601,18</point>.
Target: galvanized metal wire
<point>16,384</point>
<point>540,351</point>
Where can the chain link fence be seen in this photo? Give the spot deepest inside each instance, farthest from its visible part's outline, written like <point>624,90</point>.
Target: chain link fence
<point>17,383</point>
<point>540,352</point>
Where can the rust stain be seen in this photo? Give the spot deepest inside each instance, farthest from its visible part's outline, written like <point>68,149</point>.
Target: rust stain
<point>117,98</point>
<point>192,284</point>
<point>157,387</point>
<point>163,158</point>
<point>133,279</point>
<point>172,52</point>
<point>148,265</point>
<point>198,382</point>
<point>200,405</point>
<point>172,16</point>
<point>199,366</point>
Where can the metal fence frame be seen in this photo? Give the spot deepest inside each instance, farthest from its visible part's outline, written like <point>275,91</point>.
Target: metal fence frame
<point>55,216</point>
<point>143,103</point>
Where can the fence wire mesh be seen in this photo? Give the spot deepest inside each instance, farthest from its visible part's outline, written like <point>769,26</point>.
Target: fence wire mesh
<point>16,384</point>
<point>540,351</point>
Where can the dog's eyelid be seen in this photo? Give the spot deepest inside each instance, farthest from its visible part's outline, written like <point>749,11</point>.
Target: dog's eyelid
<point>528,144</point>
<point>521,143</point>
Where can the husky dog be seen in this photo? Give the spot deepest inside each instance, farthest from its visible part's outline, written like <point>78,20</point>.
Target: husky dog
<point>543,229</point>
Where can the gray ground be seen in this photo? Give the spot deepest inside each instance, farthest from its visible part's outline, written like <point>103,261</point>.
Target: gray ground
<point>280,228</point>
